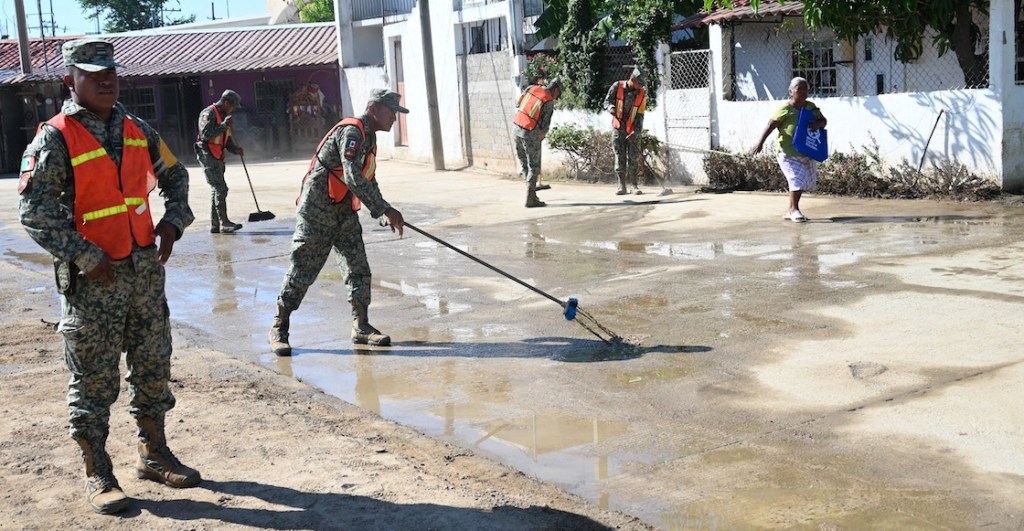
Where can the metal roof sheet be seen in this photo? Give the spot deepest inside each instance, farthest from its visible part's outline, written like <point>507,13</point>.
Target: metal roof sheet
<point>180,53</point>
<point>741,10</point>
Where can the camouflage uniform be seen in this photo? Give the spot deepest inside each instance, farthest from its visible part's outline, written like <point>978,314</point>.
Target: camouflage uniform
<point>529,142</point>
<point>213,167</point>
<point>98,322</point>
<point>627,153</point>
<point>321,224</point>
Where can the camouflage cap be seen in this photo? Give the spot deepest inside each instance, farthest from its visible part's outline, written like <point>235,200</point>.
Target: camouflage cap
<point>387,97</point>
<point>91,55</point>
<point>232,96</point>
<point>638,76</point>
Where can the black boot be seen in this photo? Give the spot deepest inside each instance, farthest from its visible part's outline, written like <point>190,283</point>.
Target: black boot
<point>214,220</point>
<point>226,225</point>
<point>531,198</point>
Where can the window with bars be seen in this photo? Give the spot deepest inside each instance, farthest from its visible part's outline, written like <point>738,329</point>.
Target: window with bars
<point>140,101</point>
<point>272,94</point>
<point>815,62</point>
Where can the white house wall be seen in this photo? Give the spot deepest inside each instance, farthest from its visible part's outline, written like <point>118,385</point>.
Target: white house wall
<point>970,130</point>
<point>900,124</point>
<point>446,73</point>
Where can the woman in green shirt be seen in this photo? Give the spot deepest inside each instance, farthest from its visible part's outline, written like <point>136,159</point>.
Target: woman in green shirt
<point>800,170</point>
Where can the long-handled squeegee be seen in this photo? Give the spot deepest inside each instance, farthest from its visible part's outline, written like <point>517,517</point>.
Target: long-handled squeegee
<point>570,308</point>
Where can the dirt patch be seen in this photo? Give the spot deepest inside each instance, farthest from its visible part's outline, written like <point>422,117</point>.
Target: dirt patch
<point>274,453</point>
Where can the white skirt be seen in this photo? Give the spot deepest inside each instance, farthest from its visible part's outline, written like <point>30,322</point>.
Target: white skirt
<point>801,172</point>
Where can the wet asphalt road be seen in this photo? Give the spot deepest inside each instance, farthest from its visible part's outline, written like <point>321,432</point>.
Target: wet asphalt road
<point>860,370</point>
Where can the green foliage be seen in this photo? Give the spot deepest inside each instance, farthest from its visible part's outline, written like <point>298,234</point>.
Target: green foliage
<point>644,24</point>
<point>541,68</point>
<point>949,22</point>
<point>128,15</point>
<point>589,155</point>
<point>316,10</point>
<point>584,27</point>
<point>582,54</point>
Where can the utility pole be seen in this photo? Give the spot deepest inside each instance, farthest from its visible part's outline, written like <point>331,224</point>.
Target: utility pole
<point>26,61</point>
<point>436,141</point>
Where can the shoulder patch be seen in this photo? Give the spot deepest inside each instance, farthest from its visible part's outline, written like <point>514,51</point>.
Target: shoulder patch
<point>28,167</point>
<point>23,181</point>
<point>351,148</point>
<point>28,163</point>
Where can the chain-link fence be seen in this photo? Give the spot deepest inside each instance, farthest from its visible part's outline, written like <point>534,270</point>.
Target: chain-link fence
<point>687,107</point>
<point>766,55</point>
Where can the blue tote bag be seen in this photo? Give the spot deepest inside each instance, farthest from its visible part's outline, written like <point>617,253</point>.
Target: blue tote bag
<point>814,144</point>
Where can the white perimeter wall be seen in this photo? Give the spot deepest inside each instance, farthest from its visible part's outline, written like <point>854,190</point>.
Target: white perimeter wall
<point>970,130</point>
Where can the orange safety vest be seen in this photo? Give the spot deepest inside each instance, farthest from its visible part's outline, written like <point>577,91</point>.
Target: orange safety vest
<point>217,143</point>
<point>111,203</point>
<point>530,104</point>
<point>639,102</point>
<point>336,186</point>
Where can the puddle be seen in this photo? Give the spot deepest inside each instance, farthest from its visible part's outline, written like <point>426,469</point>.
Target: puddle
<point>487,364</point>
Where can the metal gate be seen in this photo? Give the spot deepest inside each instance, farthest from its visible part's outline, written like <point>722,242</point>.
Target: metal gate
<point>688,115</point>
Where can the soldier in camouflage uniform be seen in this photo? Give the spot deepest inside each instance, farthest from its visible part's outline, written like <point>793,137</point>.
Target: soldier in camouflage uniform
<point>340,178</point>
<point>84,187</point>
<point>627,102</point>
<point>214,138</point>
<point>533,117</point>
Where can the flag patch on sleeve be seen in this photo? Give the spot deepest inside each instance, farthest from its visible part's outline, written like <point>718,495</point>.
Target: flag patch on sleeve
<point>28,167</point>
<point>351,148</point>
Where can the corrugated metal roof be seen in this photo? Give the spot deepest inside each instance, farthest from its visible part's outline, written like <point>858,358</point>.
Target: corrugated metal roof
<point>741,10</point>
<point>180,53</point>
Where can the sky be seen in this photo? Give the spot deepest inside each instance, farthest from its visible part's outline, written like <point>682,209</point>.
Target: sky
<point>70,19</point>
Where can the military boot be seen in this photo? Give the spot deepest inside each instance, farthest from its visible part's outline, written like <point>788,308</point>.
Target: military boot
<point>622,185</point>
<point>363,333</point>
<point>214,220</point>
<point>226,225</point>
<point>101,488</point>
<point>531,198</point>
<point>279,333</point>
<point>156,462</point>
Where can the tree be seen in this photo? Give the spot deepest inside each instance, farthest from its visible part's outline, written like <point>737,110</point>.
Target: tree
<point>582,53</point>
<point>949,23</point>
<point>584,28</point>
<point>128,15</point>
<point>316,10</point>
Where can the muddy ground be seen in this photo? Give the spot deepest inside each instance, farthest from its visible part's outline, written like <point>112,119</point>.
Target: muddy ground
<point>858,371</point>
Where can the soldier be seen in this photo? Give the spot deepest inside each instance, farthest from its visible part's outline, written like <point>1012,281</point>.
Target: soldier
<point>627,102</point>
<point>340,178</point>
<point>85,182</point>
<point>533,117</point>
<point>214,137</point>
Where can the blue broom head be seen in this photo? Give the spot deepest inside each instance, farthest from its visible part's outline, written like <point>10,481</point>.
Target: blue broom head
<point>570,308</point>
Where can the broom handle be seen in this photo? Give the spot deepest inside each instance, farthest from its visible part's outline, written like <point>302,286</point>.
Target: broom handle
<point>258,209</point>
<point>485,264</point>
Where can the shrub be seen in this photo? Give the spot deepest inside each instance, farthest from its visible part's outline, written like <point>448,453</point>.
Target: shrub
<point>858,174</point>
<point>589,154</point>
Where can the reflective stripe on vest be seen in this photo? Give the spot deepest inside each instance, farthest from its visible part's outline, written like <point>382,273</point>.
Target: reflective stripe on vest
<point>111,205</point>
<point>638,103</point>
<point>530,104</point>
<point>336,187</point>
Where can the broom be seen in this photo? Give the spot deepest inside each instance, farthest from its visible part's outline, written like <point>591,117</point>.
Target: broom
<point>259,215</point>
